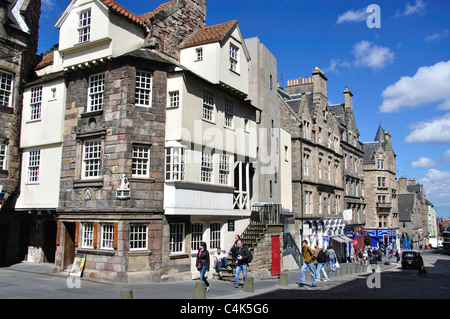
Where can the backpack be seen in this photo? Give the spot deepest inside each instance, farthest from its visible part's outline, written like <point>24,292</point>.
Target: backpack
<point>321,257</point>
<point>250,256</point>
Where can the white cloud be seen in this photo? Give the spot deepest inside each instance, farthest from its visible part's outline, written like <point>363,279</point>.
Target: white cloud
<point>429,85</point>
<point>418,8</point>
<point>446,157</point>
<point>436,36</point>
<point>334,66</point>
<point>423,162</point>
<point>48,5</point>
<point>353,16</point>
<point>437,187</point>
<point>373,56</point>
<point>435,131</point>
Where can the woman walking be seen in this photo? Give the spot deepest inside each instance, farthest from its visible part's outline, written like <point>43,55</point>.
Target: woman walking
<point>203,264</point>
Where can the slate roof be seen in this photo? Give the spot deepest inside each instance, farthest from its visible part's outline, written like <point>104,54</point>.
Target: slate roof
<point>206,35</point>
<point>405,206</point>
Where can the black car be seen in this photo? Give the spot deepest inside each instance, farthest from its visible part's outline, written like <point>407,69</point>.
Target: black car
<point>410,260</point>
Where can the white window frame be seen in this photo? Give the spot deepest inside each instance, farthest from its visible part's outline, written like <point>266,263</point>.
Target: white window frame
<point>6,88</point>
<point>199,54</point>
<point>215,235</point>
<point>107,237</point>
<point>141,161</point>
<point>175,164</point>
<point>197,234</point>
<point>3,155</point>
<point>228,114</point>
<point>224,169</point>
<point>234,58</point>
<point>177,238</point>
<point>209,106</point>
<point>33,169</point>
<point>174,99</point>
<point>92,159</point>
<point>84,26</point>
<point>87,235</point>
<point>207,167</point>
<point>138,237</point>
<point>144,89</point>
<point>36,103</point>
<point>96,91</point>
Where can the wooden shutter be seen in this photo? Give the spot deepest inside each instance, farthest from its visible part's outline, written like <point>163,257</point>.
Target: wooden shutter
<point>95,235</point>
<point>116,231</point>
<point>58,233</point>
<point>77,233</point>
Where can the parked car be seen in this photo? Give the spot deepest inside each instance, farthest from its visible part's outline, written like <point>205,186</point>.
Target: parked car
<point>409,260</point>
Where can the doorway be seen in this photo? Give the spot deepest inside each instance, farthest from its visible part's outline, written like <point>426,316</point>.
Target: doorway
<point>69,244</point>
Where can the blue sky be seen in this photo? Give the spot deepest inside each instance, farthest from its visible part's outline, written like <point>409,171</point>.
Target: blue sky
<point>399,73</point>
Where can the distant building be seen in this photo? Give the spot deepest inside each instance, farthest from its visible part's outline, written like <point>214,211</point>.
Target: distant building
<point>380,191</point>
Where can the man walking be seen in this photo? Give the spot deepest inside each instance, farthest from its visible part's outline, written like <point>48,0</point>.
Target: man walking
<point>331,255</point>
<point>242,256</point>
<point>308,263</point>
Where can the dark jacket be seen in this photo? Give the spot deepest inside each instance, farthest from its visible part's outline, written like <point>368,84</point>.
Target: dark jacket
<point>202,259</point>
<point>243,251</point>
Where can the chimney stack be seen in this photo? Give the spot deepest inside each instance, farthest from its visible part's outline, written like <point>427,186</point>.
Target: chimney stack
<point>348,99</point>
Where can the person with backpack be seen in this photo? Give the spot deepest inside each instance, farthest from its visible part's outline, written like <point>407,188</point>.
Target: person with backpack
<point>308,263</point>
<point>321,261</point>
<point>243,258</point>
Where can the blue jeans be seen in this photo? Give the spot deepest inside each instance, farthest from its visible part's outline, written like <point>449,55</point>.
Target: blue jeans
<point>311,270</point>
<point>321,269</point>
<point>222,262</point>
<point>202,275</point>
<point>238,270</point>
<point>332,262</point>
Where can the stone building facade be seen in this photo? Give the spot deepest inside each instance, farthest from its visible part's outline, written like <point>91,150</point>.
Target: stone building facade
<point>19,27</point>
<point>380,190</point>
<point>352,150</point>
<point>318,192</point>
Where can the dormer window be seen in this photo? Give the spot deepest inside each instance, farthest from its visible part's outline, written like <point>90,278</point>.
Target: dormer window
<point>234,58</point>
<point>84,27</point>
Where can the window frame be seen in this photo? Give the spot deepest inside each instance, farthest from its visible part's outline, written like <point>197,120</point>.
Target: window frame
<point>177,232</point>
<point>33,167</point>
<point>234,58</point>
<point>143,89</point>
<point>207,167</point>
<point>86,230</point>
<point>228,114</point>
<point>97,158</point>
<point>107,236</point>
<point>3,155</point>
<point>6,87</point>
<point>140,232</point>
<point>84,24</point>
<point>208,106</point>
<point>141,156</point>
<point>36,103</point>
<point>171,164</point>
<point>96,98</point>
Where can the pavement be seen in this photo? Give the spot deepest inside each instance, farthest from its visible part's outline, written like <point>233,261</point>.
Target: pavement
<point>31,281</point>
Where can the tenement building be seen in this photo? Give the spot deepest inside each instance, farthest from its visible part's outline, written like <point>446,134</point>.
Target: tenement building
<point>319,192</point>
<point>380,191</point>
<point>19,27</point>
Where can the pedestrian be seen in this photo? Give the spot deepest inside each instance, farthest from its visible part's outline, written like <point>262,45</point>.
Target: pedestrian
<point>316,252</point>
<point>420,265</point>
<point>360,256</point>
<point>221,260</point>
<point>397,255</point>
<point>331,255</point>
<point>203,264</point>
<point>234,248</point>
<point>373,261</point>
<point>308,263</point>
<point>241,262</point>
<point>366,257</point>
<point>321,261</point>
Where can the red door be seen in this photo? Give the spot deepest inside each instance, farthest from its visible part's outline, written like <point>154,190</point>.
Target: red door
<point>276,256</point>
